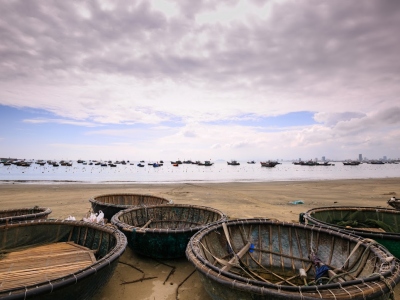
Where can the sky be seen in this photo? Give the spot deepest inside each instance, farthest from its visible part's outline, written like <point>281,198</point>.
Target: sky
<point>199,80</point>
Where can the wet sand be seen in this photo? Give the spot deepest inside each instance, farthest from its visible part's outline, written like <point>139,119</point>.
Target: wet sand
<point>237,200</point>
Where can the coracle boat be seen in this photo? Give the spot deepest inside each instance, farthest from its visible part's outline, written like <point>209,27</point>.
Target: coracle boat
<point>57,259</point>
<point>163,231</point>
<point>394,202</point>
<point>380,224</point>
<point>110,204</point>
<point>265,259</point>
<point>23,214</point>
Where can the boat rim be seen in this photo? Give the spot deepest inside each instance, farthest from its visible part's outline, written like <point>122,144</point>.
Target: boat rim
<point>131,228</point>
<point>97,202</point>
<point>42,212</point>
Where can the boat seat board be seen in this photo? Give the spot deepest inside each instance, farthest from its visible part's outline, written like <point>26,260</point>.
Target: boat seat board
<point>42,263</point>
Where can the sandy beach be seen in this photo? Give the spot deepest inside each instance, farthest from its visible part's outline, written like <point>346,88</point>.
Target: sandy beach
<point>237,200</point>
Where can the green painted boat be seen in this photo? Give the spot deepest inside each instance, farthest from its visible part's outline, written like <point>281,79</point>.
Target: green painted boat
<point>379,224</point>
<point>163,231</point>
<point>23,214</point>
<point>57,259</point>
<point>254,259</point>
<point>110,204</point>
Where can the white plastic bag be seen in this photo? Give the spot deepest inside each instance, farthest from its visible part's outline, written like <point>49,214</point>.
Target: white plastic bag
<point>92,218</point>
<point>100,218</point>
<point>95,218</point>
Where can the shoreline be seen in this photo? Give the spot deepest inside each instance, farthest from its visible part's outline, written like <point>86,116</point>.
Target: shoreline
<point>118,182</point>
<point>235,199</point>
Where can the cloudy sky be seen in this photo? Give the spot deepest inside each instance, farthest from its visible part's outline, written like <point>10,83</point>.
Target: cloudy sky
<point>205,79</point>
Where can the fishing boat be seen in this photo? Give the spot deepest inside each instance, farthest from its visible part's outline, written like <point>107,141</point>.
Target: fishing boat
<point>57,259</point>
<point>23,214</point>
<point>163,231</point>
<point>264,259</point>
<point>380,224</point>
<point>233,163</point>
<point>269,164</point>
<point>351,163</point>
<point>207,163</point>
<point>110,204</point>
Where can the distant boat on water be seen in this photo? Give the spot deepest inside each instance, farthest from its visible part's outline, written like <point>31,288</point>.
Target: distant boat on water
<point>269,164</point>
<point>233,163</point>
<point>312,163</point>
<point>351,163</point>
<point>376,162</point>
<point>207,163</point>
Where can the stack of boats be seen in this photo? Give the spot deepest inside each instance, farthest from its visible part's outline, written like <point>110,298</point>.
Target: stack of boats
<point>332,253</point>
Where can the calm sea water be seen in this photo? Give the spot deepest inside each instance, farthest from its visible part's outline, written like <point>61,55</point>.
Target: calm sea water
<point>219,172</point>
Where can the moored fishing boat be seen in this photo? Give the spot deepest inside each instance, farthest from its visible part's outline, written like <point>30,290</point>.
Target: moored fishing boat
<point>380,224</point>
<point>269,164</point>
<point>163,231</point>
<point>207,163</point>
<point>265,259</point>
<point>110,204</point>
<point>23,214</point>
<point>57,259</point>
<point>351,163</point>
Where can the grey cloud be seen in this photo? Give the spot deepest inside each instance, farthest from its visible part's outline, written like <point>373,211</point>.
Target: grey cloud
<point>304,41</point>
<point>190,134</point>
<point>390,116</point>
<point>330,52</point>
<point>331,119</point>
<point>375,123</point>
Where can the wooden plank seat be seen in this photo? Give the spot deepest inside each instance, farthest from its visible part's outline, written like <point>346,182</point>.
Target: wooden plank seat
<point>42,263</point>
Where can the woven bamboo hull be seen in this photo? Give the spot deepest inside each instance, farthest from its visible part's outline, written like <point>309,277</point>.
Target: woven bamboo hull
<point>394,203</point>
<point>169,231</point>
<point>327,217</point>
<point>23,214</point>
<point>160,245</point>
<point>269,269</point>
<point>113,203</point>
<point>107,244</point>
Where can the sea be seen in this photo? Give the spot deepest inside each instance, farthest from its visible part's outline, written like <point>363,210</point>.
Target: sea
<point>220,171</point>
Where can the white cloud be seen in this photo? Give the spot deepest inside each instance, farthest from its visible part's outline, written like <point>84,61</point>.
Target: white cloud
<point>61,121</point>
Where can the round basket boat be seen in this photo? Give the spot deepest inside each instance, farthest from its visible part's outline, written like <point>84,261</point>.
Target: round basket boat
<point>380,224</point>
<point>163,231</point>
<point>394,202</point>
<point>265,259</point>
<point>110,204</point>
<point>57,259</point>
<point>23,214</point>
